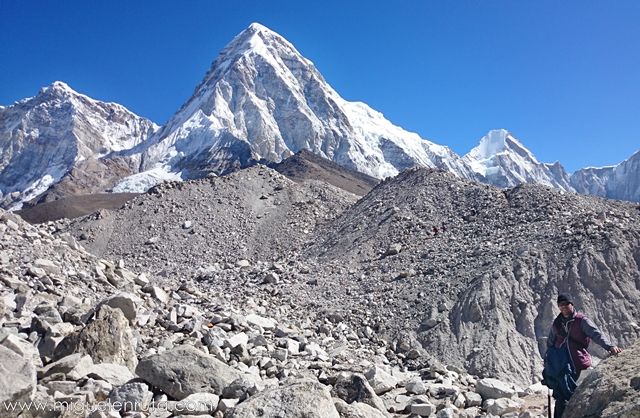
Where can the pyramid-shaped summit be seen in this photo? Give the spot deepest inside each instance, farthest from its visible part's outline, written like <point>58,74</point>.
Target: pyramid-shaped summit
<point>501,159</point>
<point>261,100</point>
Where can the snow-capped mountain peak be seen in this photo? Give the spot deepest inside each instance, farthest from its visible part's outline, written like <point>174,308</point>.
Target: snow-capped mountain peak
<point>59,87</point>
<point>262,100</point>
<point>499,141</point>
<point>501,159</point>
<point>44,137</point>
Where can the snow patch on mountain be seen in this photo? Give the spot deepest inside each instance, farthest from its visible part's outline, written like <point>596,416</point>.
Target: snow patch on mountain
<point>143,181</point>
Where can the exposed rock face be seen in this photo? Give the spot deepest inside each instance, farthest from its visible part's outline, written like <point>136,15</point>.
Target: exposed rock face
<point>305,166</point>
<point>45,137</point>
<point>302,399</point>
<point>90,176</point>
<point>184,371</point>
<point>74,206</point>
<point>591,181</point>
<point>611,390</point>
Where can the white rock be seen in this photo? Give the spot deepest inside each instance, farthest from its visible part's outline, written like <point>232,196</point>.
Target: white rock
<point>265,323</point>
<point>48,266</point>
<point>503,406</point>
<point>472,399</point>
<point>293,346</point>
<point>226,404</point>
<point>198,404</point>
<point>115,374</point>
<point>380,380</point>
<point>17,377</point>
<point>126,302</point>
<point>160,294</point>
<point>141,280</point>
<point>239,339</point>
<point>493,389</point>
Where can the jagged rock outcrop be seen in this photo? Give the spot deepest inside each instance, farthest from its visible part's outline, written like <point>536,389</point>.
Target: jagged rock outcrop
<point>117,349</point>
<point>306,165</point>
<point>612,389</point>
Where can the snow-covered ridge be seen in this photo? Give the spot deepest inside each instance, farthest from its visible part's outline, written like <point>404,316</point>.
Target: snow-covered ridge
<point>44,137</point>
<point>621,181</point>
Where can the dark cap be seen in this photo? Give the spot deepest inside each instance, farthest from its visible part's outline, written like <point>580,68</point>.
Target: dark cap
<point>564,298</point>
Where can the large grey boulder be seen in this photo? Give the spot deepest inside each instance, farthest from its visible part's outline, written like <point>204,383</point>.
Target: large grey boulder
<point>184,371</point>
<point>74,366</point>
<point>611,390</point>
<point>108,339</point>
<point>301,399</point>
<point>356,410</point>
<point>17,377</point>
<point>133,396</point>
<point>355,388</point>
<point>115,374</point>
<point>380,380</point>
<point>494,389</point>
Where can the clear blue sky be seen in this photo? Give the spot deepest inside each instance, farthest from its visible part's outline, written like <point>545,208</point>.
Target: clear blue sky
<point>563,76</point>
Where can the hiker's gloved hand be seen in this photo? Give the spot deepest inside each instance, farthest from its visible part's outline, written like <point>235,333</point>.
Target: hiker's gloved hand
<point>615,350</point>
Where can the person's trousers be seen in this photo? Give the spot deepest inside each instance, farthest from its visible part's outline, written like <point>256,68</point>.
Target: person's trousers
<point>558,410</point>
<point>561,403</point>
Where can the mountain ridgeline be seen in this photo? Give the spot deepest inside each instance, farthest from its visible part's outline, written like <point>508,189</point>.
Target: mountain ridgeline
<point>261,101</point>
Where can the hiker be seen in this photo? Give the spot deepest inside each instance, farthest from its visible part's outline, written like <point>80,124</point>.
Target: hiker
<point>567,354</point>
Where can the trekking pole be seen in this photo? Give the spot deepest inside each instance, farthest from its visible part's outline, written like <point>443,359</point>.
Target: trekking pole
<point>548,403</point>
